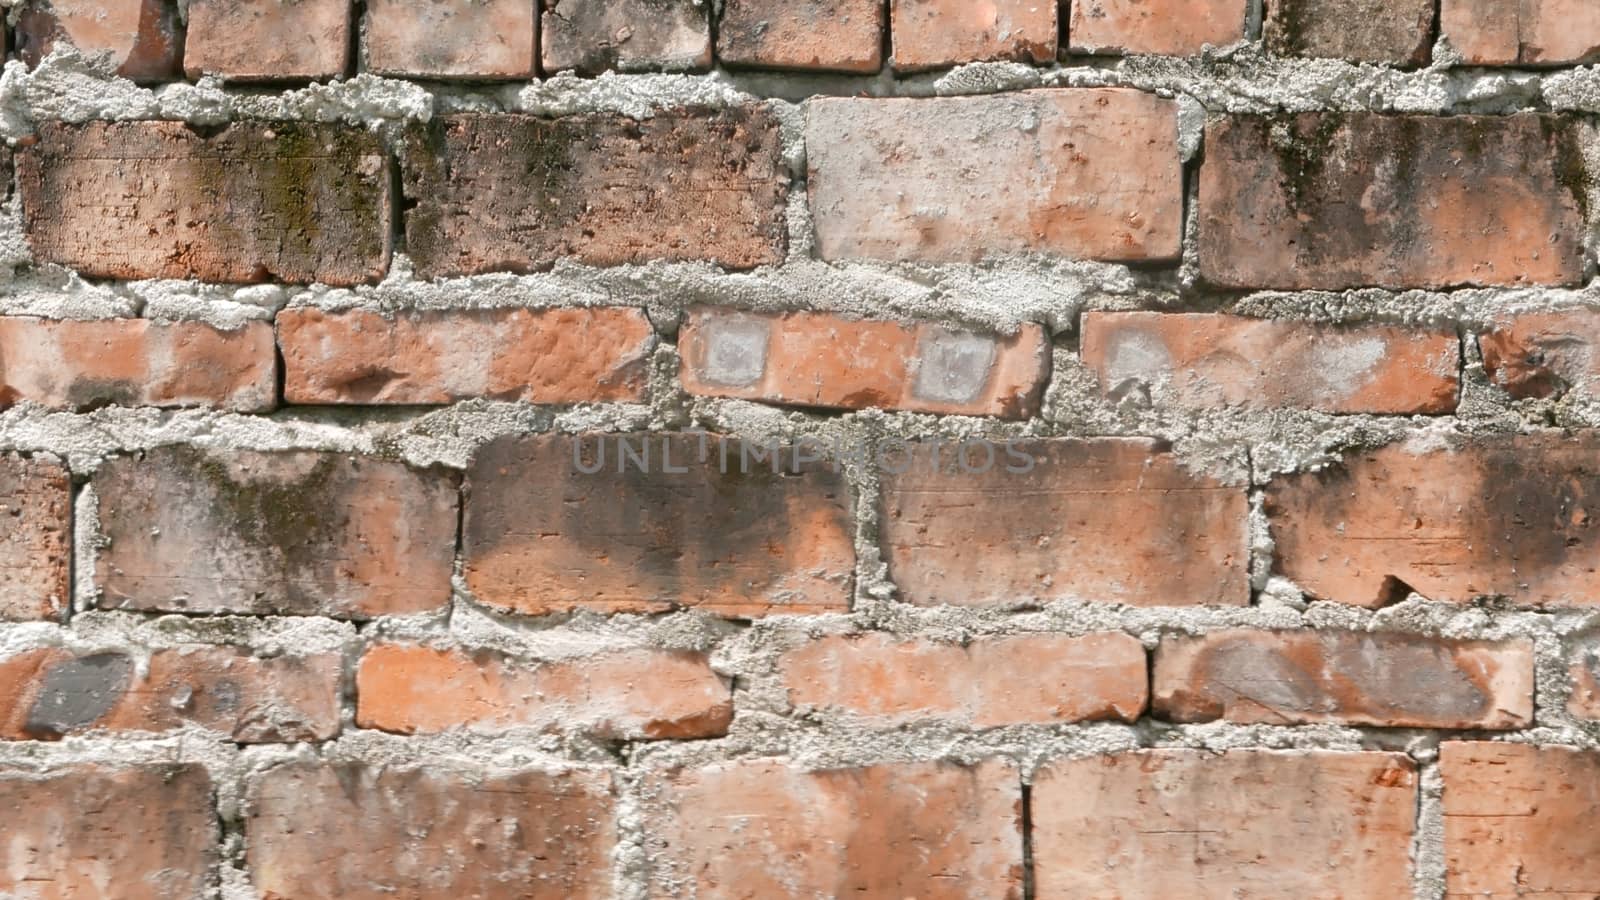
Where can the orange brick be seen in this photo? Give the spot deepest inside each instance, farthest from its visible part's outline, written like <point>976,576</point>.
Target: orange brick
<point>1246,823</point>
<point>821,35</point>
<point>1399,32</point>
<point>766,828</point>
<point>36,542</point>
<point>535,356</point>
<point>469,39</point>
<point>930,34</point>
<point>1167,27</point>
<point>1522,32</point>
<point>817,359</point>
<point>1543,354</point>
<point>263,40</point>
<point>593,36</point>
<point>143,39</point>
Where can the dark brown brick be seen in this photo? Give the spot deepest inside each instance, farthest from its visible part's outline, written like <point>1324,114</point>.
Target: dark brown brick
<point>142,38</point>
<point>1374,31</point>
<point>593,36</point>
<point>35,538</point>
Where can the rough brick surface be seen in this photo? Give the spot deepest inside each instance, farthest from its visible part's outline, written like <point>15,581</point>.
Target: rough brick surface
<point>142,39</point>
<point>536,356</point>
<point>36,540</point>
<point>1506,515</point>
<point>1246,823</point>
<point>767,828</point>
<point>516,193</point>
<point>929,34</point>
<point>256,201</point>
<point>1167,27</point>
<point>1390,680</point>
<point>1465,200</point>
<point>1544,354</point>
<point>1583,677</point>
<point>470,39</point>
<point>1522,32</point>
<point>1027,679</point>
<point>664,520</point>
<point>349,832</point>
<point>620,695</point>
<point>821,35</point>
<point>1214,360</point>
<point>268,40</point>
<point>1109,519</point>
<point>593,36</point>
<point>94,832</point>
<point>298,532</point>
<point>816,359</point>
<point>1399,32</point>
<point>48,694</point>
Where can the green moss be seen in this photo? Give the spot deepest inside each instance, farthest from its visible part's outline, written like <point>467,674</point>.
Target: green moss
<point>1289,37</point>
<point>1571,170</point>
<point>1302,144</point>
<point>283,514</point>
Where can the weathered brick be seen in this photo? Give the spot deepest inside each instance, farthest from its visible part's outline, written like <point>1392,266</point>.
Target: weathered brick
<point>256,201</point>
<point>624,694</point>
<point>822,35</point>
<point>1522,32</point>
<point>1334,200</point>
<point>136,362</point>
<point>48,694</point>
<point>268,40</point>
<point>1039,679</point>
<point>1506,515</point>
<point>1348,677</point>
<point>299,532</point>
<point>471,39</point>
<point>1219,360</point>
<point>664,521</point>
<point>1168,27</point>
<point>536,356</point>
<point>35,544</point>
<point>142,39</point>
<point>766,828</point>
<point>348,832</point>
<point>818,359</point>
<point>1245,823</point>
<point>929,34</point>
<point>1374,31</point>
<point>1583,676</point>
<point>1107,519</point>
<point>517,193</point>
<point>1544,354</point>
<point>1519,820</point>
<point>94,832</point>
<point>1086,173</point>
<point>593,36</point>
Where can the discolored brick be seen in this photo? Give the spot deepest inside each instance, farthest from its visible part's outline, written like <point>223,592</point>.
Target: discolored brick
<point>817,359</point>
<point>767,828</point>
<point>268,40</point>
<point>1245,823</point>
<point>296,532</point>
<point>620,695</point>
<point>535,356</point>
<point>930,34</point>
<point>1543,354</point>
<point>449,39</point>
<point>352,832</point>
<point>1080,173</point>
<point>1327,201</point>
<point>818,35</point>
<point>1583,678</point>
<point>1522,32</point>
<point>36,540</point>
<point>649,522</point>
<point>252,201</point>
<point>1114,520</point>
<point>1167,27</point>
<point>1399,32</point>
<point>518,193</point>
<point>142,39</point>
<point>593,36</point>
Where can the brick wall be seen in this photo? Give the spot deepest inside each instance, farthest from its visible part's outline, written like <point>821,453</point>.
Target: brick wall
<point>777,448</point>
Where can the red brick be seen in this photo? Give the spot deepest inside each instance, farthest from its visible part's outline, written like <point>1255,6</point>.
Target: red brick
<point>1543,354</point>
<point>536,356</point>
<point>1085,173</point>
<point>518,193</point>
<point>1218,360</point>
<point>1167,27</point>
<point>1108,519</point>
<point>930,34</point>
<point>1373,31</point>
<point>817,359</point>
<point>1522,32</point>
<point>471,39</point>
<point>620,695</point>
<point>48,694</point>
<point>1519,820</point>
<point>282,201</point>
<point>143,39</point>
<point>821,35</point>
<point>593,36</point>
<point>356,833</point>
<point>1038,679</point>
<point>136,362</point>
<point>664,521</point>
<point>1246,823</point>
<point>36,542</point>
<point>1506,516</point>
<point>94,832</point>
<point>297,532</point>
<point>766,828</point>
<point>253,40</point>
<point>1583,676</point>
<point>1327,201</point>
<point>1346,677</point>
